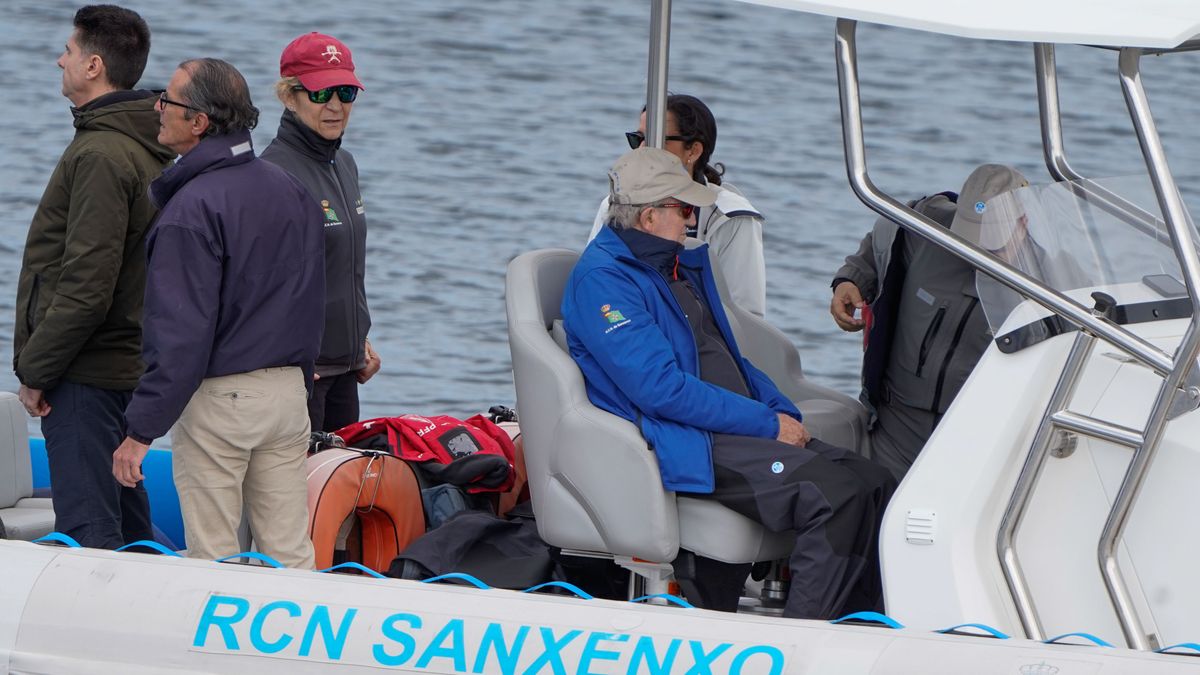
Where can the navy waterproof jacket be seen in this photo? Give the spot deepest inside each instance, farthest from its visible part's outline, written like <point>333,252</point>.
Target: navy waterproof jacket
<point>331,176</point>
<point>235,278</point>
<point>640,361</point>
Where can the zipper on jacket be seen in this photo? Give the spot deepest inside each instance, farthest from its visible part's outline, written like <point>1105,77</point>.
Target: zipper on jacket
<point>930,333</point>
<point>708,283</point>
<point>679,313</point>
<point>353,260</point>
<point>958,332</point>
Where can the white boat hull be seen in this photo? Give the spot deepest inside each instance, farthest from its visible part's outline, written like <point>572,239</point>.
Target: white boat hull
<point>90,611</point>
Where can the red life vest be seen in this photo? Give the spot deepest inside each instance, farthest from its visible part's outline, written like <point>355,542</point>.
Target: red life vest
<point>474,454</point>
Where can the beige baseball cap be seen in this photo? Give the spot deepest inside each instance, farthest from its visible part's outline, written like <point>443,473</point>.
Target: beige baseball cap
<point>987,212</point>
<point>647,175</point>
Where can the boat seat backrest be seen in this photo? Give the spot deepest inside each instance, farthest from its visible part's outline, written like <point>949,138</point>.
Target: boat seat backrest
<point>22,516</point>
<point>595,484</point>
<point>16,474</point>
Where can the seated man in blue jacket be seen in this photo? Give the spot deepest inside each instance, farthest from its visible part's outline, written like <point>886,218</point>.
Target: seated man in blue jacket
<point>645,324</point>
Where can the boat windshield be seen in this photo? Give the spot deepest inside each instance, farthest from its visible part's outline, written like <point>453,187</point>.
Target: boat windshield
<point>1078,237</point>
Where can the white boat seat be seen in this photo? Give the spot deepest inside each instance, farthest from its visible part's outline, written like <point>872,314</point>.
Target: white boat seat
<point>22,516</point>
<point>595,484</point>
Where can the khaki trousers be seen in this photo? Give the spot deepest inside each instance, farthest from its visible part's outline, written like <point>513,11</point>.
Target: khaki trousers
<point>242,439</point>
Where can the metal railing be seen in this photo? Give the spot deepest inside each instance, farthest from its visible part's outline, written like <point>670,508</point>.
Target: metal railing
<point>860,182</point>
<point>1184,242</point>
<point>1064,390</point>
<point>1175,369</point>
<point>1053,149</point>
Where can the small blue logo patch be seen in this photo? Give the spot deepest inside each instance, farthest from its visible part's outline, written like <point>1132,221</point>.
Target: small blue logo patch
<point>777,467</point>
<point>980,207</point>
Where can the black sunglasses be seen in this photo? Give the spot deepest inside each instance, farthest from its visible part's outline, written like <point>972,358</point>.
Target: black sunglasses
<point>636,138</point>
<point>346,93</point>
<point>163,102</point>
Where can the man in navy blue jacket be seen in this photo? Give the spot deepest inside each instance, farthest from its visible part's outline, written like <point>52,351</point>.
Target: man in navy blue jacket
<point>645,324</point>
<point>234,307</point>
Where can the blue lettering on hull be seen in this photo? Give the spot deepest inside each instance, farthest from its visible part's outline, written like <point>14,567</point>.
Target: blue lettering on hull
<point>444,644</point>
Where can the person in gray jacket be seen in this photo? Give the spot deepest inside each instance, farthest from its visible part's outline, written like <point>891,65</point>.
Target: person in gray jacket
<point>925,326</point>
<point>318,89</point>
<point>732,227</point>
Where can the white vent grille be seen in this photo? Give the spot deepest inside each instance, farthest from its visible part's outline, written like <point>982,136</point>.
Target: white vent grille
<point>920,526</point>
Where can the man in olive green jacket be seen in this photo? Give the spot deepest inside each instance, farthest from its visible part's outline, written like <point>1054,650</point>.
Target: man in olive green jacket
<point>77,343</point>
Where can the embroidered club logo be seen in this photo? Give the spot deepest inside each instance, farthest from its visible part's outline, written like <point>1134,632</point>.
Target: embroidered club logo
<point>330,215</point>
<point>612,315</point>
<point>777,467</point>
<point>332,54</point>
<point>980,207</point>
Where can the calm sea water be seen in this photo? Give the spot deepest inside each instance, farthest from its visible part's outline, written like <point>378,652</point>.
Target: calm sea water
<point>487,128</point>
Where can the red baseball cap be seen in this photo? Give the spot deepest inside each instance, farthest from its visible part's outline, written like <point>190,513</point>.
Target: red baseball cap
<point>319,61</point>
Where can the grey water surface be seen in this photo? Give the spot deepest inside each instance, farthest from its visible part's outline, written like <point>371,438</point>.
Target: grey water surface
<point>487,127</point>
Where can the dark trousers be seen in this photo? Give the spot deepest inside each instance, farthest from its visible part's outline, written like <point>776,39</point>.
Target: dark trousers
<point>334,402</point>
<point>831,497</point>
<point>899,434</point>
<point>83,429</point>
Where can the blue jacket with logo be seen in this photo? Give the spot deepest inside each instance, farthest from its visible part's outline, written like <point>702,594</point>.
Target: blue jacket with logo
<point>639,358</point>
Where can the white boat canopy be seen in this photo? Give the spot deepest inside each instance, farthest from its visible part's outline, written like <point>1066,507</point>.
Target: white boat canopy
<point>1150,24</point>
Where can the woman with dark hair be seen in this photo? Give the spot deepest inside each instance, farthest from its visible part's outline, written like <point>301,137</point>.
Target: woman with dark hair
<point>318,88</point>
<point>732,227</point>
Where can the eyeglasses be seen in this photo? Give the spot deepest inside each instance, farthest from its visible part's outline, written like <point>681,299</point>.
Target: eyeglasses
<point>636,138</point>
<point>346,93</point>
<point>685,210</point>
<point>163,102</point>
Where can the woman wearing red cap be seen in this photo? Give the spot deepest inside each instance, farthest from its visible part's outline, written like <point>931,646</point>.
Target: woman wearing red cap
<point>318,89</point>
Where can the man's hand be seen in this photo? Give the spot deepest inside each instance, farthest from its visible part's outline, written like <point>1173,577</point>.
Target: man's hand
<point>846,298</point>
<point>792,432</point>
<point>127,462</point>
<point>374,363</point>
<point>34,401</point>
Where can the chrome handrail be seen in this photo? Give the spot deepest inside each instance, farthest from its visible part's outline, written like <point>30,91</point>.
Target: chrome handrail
<point>860,182</point>
<point>1054,151</point>
<point>1174,369</point>
<point>1064,390</point>
<point>1183,240</point>
<point>1105,431</point>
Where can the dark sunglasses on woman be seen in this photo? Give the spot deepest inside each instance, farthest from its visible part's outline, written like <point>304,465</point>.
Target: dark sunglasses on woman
<point>636,138</point>
<point>346,93</point>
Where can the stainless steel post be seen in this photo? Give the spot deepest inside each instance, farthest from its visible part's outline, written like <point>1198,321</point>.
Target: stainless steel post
<point>1184,240</point>
<point>860,182</point>
<point>656,77</point>
<point>1064,390</point>
<point>1050,113</point>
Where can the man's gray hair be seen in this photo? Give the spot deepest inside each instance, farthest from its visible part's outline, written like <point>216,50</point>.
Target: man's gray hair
<point>625,216</point>
<point>218,90</point>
